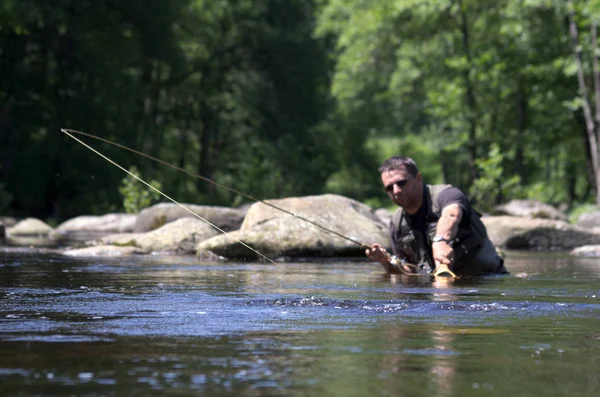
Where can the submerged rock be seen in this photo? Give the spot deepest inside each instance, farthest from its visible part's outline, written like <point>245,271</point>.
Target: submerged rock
<point>158,215</point>
<point>29,227</point>
<point>587,250</point>
<point>536,234</point>
<point>275,233</point>
<point>103,250</point>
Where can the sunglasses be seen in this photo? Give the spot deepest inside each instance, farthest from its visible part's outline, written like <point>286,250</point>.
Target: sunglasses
<point>401,183</point>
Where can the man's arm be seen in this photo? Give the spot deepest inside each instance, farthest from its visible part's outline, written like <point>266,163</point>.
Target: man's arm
<point>447,227</point>
<point>448,224</point>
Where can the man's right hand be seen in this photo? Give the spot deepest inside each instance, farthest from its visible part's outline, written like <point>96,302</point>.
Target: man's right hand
<point>378,253</point>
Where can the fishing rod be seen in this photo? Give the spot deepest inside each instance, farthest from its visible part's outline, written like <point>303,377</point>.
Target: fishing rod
<point>69,132</point>
<point>171,199</point>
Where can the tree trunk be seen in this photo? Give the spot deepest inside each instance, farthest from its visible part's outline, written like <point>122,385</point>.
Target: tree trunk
<point>206,139</point>
<point>590,124</point>
<point>523,107</point>
<point>469,95</point>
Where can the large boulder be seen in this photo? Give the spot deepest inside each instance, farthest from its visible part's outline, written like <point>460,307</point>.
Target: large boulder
<point>154,217</point>
<point>529,209</point>
<point>83,228</point>
<point>275,233</point>
<point>29,227</point>
<point>385,215</point>
<point>181,236</point>
<point>536,234</point>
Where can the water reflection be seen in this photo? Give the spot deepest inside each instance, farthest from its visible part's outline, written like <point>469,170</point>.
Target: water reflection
<point>184,327</point>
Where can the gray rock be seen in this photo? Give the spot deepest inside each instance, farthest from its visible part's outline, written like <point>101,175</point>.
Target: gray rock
<point>587,250</point>
<point>121,239</point>
<point>536,234</point>
<point>83,228</point>
<point>589,219</point>
<point>29,227</point>
<point>275,233</point>
<point>8,221</point>
<point>529,209</point>
<point>158,215</point>
<point>181,236</point>
<point>103,251</point>
<point>385,215</point>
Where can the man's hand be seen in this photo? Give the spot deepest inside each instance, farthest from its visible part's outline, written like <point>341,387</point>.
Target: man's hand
<point>443,253</point>
<point>378,253</point>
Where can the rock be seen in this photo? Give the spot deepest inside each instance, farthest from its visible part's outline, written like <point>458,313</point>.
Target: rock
<point>103,250</point>
<point>84,228</point>
<point>589,220</point>
<point>29,227</point>
<point>536,234</point>
<point>8,221</point>
<point>160,214</point>
<point>385,215</point>
<point>275,233</point>
<point>180,236</point>
<point>529,209</point>
<point>120,239</point>
<point>587,250</point>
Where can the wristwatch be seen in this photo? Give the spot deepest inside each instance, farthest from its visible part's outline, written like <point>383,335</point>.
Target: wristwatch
<point>438,238</point>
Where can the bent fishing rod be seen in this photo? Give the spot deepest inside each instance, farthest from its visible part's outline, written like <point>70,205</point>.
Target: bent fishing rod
<point>70,132</point>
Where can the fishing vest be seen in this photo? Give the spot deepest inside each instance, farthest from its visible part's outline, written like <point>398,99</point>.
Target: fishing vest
<point>417,247</point>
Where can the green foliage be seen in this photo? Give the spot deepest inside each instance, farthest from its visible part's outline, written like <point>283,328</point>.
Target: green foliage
<point>136,195</point>
<point>492,186</point>
<point>291,98</point>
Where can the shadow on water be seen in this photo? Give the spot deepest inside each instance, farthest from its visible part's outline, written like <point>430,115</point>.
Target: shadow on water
<point>137,326</point>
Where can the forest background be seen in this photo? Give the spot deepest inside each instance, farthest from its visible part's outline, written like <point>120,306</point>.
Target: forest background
<point>280,98</point>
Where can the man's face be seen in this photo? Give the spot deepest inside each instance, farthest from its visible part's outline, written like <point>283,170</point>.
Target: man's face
<point>404,189</point>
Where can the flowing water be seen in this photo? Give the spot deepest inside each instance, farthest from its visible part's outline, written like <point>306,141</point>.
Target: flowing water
<point>180,327</point>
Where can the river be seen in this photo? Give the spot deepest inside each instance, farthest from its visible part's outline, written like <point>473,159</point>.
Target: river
<point>172,325</point>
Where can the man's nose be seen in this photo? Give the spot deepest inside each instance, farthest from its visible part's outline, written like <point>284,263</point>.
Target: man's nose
<point>397,189</point>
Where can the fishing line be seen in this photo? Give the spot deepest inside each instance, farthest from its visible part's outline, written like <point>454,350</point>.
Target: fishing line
<point>69,132</point>
<point>216,184</point>
<point>311,286</point>
<point>173,200</point>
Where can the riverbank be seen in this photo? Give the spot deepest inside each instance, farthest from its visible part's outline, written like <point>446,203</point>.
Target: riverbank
<point>311,226</point>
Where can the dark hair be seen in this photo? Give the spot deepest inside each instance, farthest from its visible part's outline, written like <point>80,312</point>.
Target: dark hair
<point>399,163</point>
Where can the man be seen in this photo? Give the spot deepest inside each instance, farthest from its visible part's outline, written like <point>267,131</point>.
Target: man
<point>434,226</point>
